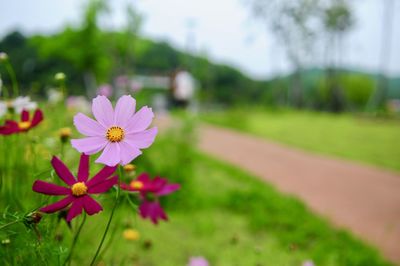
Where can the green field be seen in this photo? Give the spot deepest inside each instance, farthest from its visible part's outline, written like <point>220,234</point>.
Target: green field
<point>221,213</point>
<point>366,140</point>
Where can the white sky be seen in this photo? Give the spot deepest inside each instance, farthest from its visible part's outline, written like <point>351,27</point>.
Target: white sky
<point>223,29</point>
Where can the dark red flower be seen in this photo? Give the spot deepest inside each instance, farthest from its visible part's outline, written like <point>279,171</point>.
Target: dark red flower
<point>79,189</point>
<point>11,126</point>
<point>150,190</point>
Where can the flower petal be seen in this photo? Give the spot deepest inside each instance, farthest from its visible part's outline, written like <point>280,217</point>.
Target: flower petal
<point>127,187</point>
<point>59,205</point>
<point>103,111</point>
<point>89,145</point>
<point>103,186</point>
<point>10,127</point>
<point>37,117</point>
<point>168,189</point>
<point>124,110</point>
<point>91,206</point>
<point>101,175</point>
<point>24,115</point>
<point>88,126</point>
<point>140,121</point>
<point>128,152</point>
<point>111,155</point>
<point>49,189</point>
<point>76,209</point>
<point>83,171</point>
<point>62,171</point>
<point>142,139</point>
<point>152,210</point>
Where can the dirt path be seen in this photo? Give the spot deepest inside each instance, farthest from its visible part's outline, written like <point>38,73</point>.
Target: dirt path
<point>363,199</point>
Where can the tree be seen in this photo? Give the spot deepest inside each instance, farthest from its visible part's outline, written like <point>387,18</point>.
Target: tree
<point>293,24</point>
<point>379,97</point>
<point>337,20</point>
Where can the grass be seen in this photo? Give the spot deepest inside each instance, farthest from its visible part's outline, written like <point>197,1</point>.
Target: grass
<point>221,213</point>
<point>371,141</point>
<point>231,219</point>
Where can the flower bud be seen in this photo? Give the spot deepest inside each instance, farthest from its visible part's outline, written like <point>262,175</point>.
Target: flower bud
<point>60,76</point>
<point>129,168</point>
<point>33,218</point>
<point>147,244</point>
<point>65,134</point>
<point>5,241</point>
<point>131,234</point>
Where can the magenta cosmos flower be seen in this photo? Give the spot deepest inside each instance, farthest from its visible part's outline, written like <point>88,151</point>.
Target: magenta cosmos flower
<point>120,133</point>
<point>24,125</point>
<point>150,190</point>
<point>77,194</point>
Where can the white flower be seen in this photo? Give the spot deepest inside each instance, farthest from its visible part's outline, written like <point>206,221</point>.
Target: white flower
<point>23,102</point>
<point>3,108</point>
<point>54,96</point>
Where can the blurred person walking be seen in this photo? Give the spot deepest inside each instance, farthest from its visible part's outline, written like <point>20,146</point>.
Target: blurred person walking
<point>182,89</point>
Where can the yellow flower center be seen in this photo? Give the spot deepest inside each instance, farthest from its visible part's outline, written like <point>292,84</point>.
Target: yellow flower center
<point>24,125</point>
<point>136,184</point>
<point>129,168</point>
<point>115,134</point>
<point>79,189</point>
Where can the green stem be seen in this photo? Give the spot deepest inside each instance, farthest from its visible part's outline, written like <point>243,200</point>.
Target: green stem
<point>8,224</point>
<point>68,259</point>
<point>109,220</point>
<point>13,78</point>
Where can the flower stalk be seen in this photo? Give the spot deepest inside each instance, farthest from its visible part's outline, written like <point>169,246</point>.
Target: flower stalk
<point>109,219</point>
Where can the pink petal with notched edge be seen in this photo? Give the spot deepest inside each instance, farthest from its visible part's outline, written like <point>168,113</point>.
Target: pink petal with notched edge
<point>124,110</point>
<point>103,111</point>
<point>142,139</point>
<point>103,174</point>
<point>89,145</point>
<point>110,155</point>
<point>88,126</point>
<point>37,117</point>
<point>168,189</point>
<point>90,205</point>
<point>128,152</point>
<point>49,189</point>
<point>103,186</point>
<point>62,171</point>
<point>140,121</point>
<point>76,209</point>
<point>59,205</point>
<point>83,170</point>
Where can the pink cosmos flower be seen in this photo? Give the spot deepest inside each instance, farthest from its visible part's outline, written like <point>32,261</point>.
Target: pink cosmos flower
<point>150,190</point>
<point>198,261</point>
<point>120,133</point>
<point>105,90</point>
<point>77,194</point>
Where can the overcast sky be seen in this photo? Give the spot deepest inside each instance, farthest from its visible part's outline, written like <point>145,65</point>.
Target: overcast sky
<point>222,29</point>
